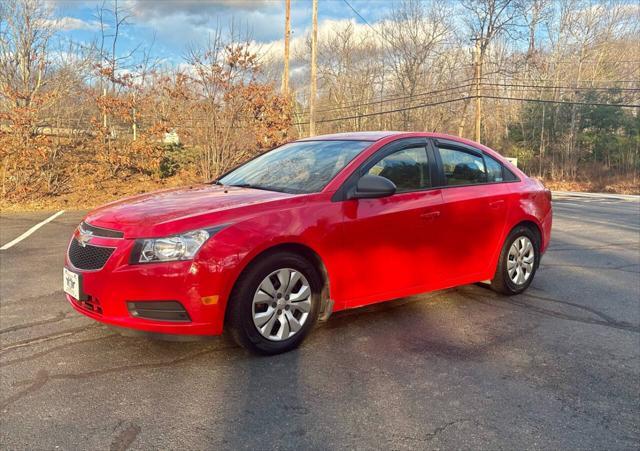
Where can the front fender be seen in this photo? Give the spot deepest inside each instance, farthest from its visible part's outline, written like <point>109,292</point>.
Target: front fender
<point>229,252</point>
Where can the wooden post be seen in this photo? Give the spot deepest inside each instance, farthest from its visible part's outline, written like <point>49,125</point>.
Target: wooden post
<point>477,75</point>
<point>104,108</point>
<point>134,126</point>
<point>314,56</point>
<point>287,35</point>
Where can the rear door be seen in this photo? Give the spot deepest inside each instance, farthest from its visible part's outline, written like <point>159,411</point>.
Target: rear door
<point>389,243</point>
<point>474,211</point>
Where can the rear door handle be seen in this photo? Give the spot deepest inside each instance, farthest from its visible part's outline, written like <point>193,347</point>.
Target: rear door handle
<point>496,203</point>
<point>430,215</point>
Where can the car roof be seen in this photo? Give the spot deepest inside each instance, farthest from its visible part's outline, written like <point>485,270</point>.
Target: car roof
<point>353,136</point>
<point>373,136</point>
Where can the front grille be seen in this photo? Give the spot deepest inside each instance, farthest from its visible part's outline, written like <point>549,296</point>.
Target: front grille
<point>88,257</point>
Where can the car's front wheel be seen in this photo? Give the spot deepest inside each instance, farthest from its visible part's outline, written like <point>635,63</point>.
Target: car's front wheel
<point>275,303</point>
<point>518,262</point>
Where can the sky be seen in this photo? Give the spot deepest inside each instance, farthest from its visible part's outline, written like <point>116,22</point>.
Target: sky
<point>170,26</point>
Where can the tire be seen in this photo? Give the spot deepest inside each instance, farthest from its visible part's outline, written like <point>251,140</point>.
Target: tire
<point>253,298</point>
<point>513,264</point>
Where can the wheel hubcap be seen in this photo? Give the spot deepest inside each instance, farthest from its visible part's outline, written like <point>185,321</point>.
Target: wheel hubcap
<point>520,260</point>
<point>281,304</point>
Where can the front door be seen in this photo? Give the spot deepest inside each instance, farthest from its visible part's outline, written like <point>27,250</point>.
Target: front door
<point>389,244</point>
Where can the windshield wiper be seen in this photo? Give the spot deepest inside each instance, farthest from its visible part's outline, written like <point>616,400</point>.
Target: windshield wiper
<point>252,186</point>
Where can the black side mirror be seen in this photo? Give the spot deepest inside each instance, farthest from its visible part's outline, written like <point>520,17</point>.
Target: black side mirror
<point>372,186</point>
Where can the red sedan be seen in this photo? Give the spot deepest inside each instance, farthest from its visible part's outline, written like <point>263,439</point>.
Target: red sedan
<point>315,226</point>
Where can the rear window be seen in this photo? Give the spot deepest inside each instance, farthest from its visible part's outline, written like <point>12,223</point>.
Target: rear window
<point>462,168</point>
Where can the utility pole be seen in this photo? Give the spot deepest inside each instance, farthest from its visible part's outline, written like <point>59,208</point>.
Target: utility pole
<point>314,56</point>
<point>287,34</point>
<point>477,75</point>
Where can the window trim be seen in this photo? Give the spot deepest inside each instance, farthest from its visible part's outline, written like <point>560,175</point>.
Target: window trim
<point>395,146</point>
<point>437,143</point>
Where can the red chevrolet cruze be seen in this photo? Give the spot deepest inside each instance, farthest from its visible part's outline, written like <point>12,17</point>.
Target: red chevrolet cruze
<point>315,226</point>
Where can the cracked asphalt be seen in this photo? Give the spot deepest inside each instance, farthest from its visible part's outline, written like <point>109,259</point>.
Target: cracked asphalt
<point>555,368</point>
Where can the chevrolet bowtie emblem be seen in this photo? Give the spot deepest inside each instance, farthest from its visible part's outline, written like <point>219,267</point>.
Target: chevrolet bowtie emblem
<point>84,237</point>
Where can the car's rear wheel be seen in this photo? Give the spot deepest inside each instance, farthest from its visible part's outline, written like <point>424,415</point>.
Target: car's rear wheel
<point>518,262</point>
<point>275,303</point>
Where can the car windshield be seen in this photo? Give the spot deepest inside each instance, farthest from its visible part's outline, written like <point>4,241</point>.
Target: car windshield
<point>299,167</point>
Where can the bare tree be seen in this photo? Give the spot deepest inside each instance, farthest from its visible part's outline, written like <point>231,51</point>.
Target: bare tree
<point>486,20</point>
<point>25,30</point>
<point>350,74</point>
<point>414,32</point>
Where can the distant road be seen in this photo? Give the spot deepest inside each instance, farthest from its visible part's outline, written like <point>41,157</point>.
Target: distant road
<point>596,195</point>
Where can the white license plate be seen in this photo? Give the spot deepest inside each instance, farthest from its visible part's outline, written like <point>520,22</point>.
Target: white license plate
<point>71,283</point>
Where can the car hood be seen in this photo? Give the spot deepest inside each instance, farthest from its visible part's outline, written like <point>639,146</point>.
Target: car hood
<point>173,211</point>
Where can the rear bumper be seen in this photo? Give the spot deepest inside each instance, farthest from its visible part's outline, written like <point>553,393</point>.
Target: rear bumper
<point>546,230</point>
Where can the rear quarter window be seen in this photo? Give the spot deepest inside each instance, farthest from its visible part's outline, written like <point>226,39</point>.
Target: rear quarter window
<point>495,172</point>
<point>508,176</point>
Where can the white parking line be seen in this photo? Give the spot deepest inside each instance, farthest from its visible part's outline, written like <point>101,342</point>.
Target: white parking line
<point>563,203</point>
<point>30,231</point>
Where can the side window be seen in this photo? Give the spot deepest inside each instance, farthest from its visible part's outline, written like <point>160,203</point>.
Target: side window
<point>462,168</point>
<point>407,168</point>
<point>494,170</point>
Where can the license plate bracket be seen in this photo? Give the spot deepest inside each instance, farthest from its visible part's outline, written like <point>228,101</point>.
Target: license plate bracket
<point>72,284</point>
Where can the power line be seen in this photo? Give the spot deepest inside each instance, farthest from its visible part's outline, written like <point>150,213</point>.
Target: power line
<point>365,21</point>
<point>522,87</point>
<point>385,99</point>
<point>619,105</point>
<point>358,116</point>
<point>388,98</point>
<point>423,105</point>
<point>393,99</point>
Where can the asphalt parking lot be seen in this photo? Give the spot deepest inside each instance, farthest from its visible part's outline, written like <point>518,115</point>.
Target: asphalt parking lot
<point>555,368</point>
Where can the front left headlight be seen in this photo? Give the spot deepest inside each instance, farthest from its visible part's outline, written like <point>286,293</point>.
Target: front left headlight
<point>172,248</point>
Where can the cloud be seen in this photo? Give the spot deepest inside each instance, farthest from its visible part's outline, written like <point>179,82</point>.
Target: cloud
<point>196,8</point>
<point>73,23</point>
<point>328,28</point>
<point>185,22</point>
<point>209,13</point>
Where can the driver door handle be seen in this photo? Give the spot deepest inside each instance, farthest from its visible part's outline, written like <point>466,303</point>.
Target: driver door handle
<point>430,215</point>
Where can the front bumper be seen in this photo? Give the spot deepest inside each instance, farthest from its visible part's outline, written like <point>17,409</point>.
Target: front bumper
<point>107,292</point>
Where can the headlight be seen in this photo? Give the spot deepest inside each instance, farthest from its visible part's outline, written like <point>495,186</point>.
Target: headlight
<point>172,248</point>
